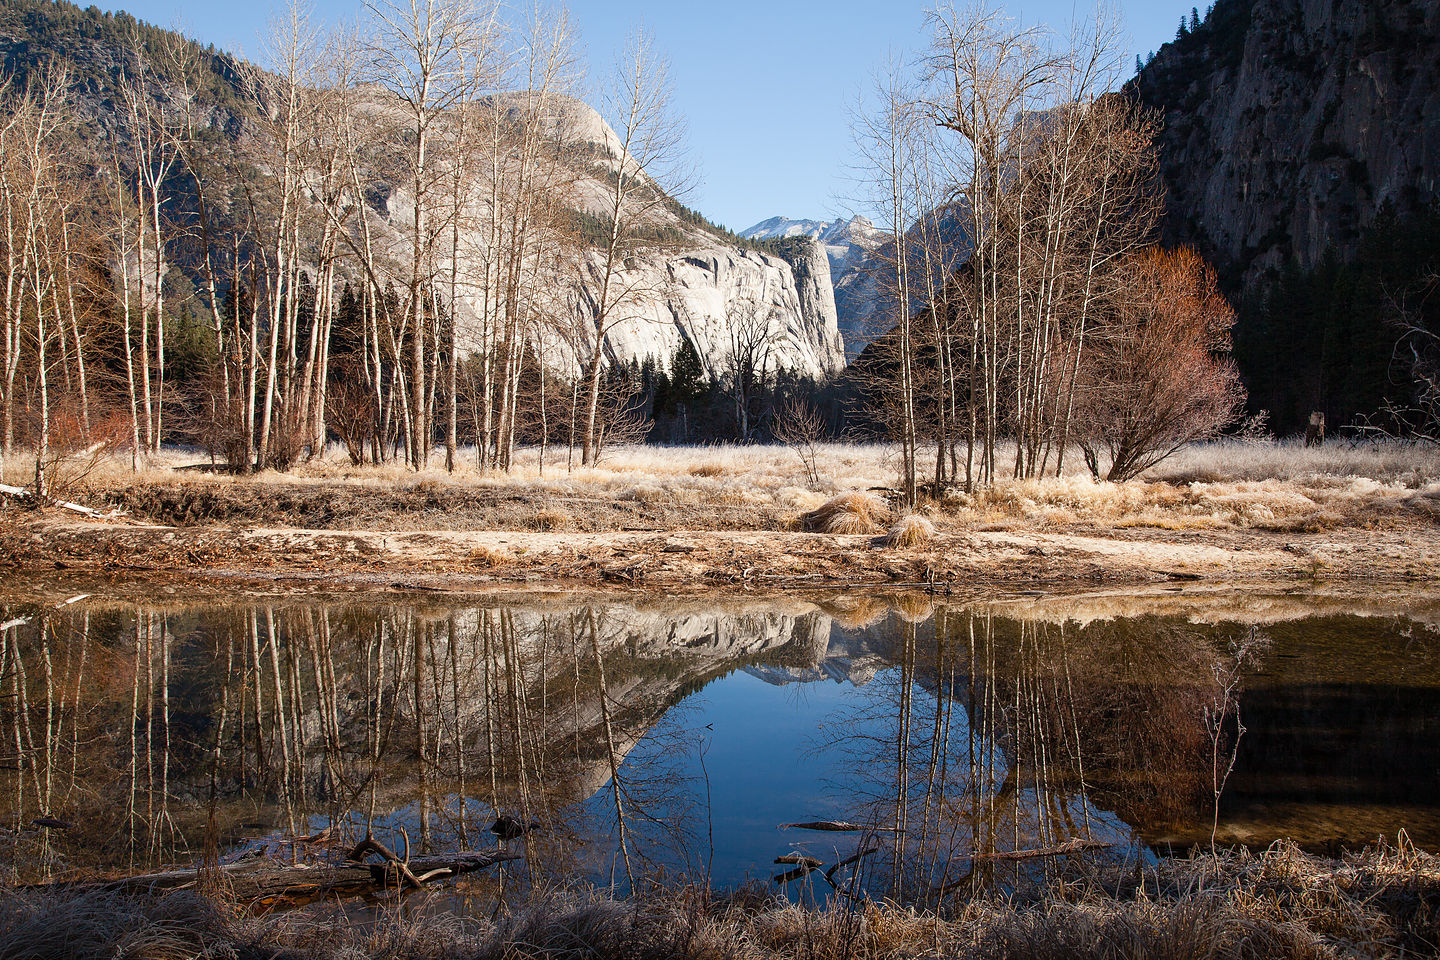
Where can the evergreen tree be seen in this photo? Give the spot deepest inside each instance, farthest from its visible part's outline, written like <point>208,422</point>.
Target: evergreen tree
<point>688,382</point>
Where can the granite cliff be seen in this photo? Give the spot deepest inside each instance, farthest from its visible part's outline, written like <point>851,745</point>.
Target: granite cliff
<point>700,274</point>
<point>1290,124</point>
<point>849,247</point>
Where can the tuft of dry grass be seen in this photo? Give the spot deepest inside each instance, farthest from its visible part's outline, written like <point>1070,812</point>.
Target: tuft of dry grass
<point>849,513</point>
<point>855,612</point>
<point>914,607</point>
<point>552,518</point>
<point>487,557</point>
<point>909,532</point>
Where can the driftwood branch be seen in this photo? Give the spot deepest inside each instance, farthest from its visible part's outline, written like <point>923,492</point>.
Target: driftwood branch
<point>25,494</point>
<point>855,857</point>
<point>1069,846</point>
<point>251,881</point>
<point>371,845</point>
<point>807,865</point>
<point>802,864</point>
<point>1077,845</point>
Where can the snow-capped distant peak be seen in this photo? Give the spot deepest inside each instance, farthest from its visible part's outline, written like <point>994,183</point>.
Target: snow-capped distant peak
<point>832,233</point>
<point>777,227</point>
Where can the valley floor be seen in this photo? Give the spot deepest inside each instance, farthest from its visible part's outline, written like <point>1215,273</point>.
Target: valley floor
<point>692,518</point>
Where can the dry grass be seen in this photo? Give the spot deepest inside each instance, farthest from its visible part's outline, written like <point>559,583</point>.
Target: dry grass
<point>549,518</point>
<point>909,532</point>
<point>1280,487</point>
<point>1232,461</point>
<point>847,514</point>
<point>486,558</point>
<point>1383,902</point>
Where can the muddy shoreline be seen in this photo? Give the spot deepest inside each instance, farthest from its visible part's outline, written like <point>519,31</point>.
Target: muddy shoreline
<point>962,561</point>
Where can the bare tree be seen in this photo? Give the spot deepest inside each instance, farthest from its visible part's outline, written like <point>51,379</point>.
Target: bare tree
<point>643,167</point>
<point>1417,354</point>
<point>752,330</point>
<point>801,427</point>
<point>1010,157</point>
<point>423,54</point>
<point>888,139</point>
<point>152,133</point>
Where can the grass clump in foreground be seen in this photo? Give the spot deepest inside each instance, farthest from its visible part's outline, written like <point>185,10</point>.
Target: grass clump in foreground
<point>1382,902</point>
<point>909,532</point>
<point>850,513</point>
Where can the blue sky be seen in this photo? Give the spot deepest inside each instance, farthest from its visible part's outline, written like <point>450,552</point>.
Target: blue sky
<point>766,87</point>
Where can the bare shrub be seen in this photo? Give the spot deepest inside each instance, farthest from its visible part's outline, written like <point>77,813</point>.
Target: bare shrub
<point>849,513</point>
<point>621,420</point>
<point>801,427</point>
<point>74,452</point>
<point>1255,428</point>
<point>1159,374</point>
<point>350,411</point>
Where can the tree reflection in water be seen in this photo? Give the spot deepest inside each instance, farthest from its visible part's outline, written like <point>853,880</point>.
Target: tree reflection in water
<point>968,757</point>
<point>976,744</point>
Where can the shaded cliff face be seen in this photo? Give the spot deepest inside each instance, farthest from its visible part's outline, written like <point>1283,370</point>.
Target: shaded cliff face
<point>1289,124</point>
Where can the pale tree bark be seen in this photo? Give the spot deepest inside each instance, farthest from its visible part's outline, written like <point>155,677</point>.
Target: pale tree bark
<point>420,54</point>
<point>645,168</point>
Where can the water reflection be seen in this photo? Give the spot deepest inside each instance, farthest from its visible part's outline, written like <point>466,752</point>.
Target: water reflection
<point>964,743</point>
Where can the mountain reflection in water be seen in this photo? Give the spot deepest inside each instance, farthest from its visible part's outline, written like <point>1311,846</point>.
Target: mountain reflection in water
<point>675,738</point>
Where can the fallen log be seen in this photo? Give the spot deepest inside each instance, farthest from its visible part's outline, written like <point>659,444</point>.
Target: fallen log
<point>400,865</point>
<point>1069,846</point>
<point>1077,845</point>
<point>836,826</point>
<point>263,881</point>
<point>23,493</point>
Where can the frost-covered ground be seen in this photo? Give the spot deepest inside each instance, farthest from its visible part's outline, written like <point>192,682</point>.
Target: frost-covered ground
<point>1226,485</point>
